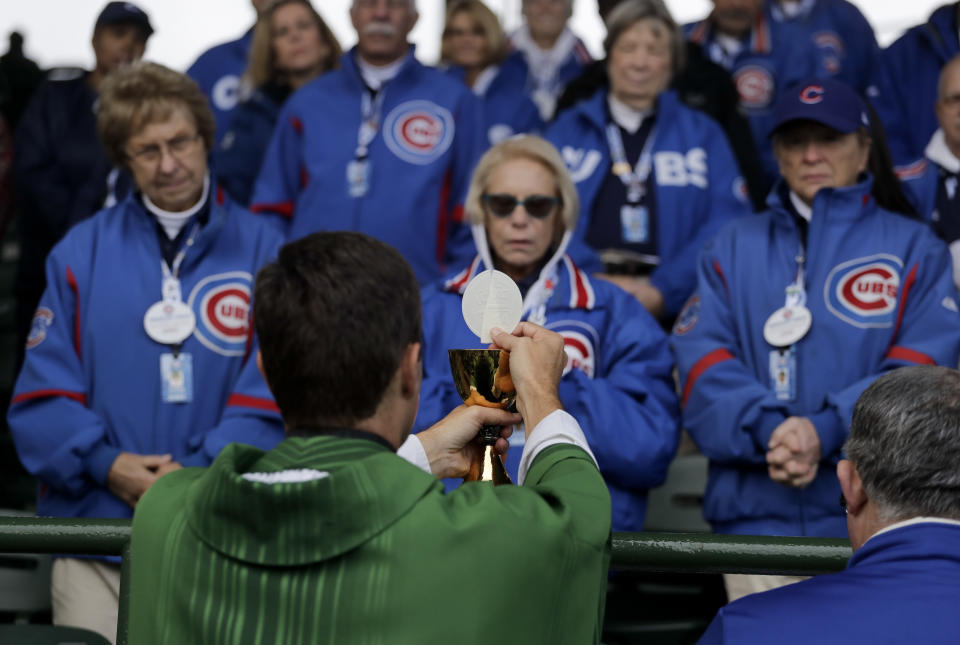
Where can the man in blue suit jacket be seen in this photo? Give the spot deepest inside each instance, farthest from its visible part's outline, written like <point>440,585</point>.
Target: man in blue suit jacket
<point>901,491</point>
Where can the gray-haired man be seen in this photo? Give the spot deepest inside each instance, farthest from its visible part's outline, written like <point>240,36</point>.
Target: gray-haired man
<point>901,490</point>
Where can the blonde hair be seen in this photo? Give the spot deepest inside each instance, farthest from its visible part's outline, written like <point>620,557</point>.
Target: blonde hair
<point>535,149</point>
<point>142,93</point>
<point>497,41</point>
<point>262,64</point>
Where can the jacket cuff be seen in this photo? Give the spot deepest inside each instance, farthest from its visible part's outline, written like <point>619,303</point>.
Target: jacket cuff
<point>99,461</point>
<point>831,429</point>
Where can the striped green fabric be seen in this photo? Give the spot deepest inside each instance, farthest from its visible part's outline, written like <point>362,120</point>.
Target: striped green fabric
<point>374,553</point>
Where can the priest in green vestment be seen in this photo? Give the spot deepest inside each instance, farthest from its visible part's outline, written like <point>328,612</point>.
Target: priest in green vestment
<point>343,533</point>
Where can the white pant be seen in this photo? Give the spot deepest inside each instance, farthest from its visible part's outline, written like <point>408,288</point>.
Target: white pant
<point>86,594</point>
<point>742,584</point>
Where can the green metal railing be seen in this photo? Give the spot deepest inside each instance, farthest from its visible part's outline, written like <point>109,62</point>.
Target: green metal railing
<point>673,552</point>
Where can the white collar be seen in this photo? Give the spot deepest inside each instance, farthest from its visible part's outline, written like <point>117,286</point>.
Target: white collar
<point>938,152</point>
<point>484,79</point>
<point>804,211</point>
<point>552,57</point>
<point>173,222</point>
<point>912,521</point>
<point>376,76</point>
<point>628,118</point>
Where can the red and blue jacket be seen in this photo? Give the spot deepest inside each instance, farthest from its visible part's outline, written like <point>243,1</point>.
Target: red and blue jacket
<point>697,185</point>
<point>90,386</point>
<point>420,162</point>
<point>880,293</point>
<point>618,380</point>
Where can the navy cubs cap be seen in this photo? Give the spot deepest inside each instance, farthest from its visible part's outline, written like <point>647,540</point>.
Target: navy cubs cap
<point>824,100</point>
<point>124,13</point>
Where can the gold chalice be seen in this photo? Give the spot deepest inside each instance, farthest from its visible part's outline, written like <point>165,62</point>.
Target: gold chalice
<point>482,377</point>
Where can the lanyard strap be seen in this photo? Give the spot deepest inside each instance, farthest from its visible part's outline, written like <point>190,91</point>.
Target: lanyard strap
<point>171,281</point>
<point>633,178</point>
<point>796,291</point>
<point>371,110</point>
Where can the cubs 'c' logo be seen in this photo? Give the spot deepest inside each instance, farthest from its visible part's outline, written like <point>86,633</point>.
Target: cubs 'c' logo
<point>864,292</point>
<point>418,131</point>
<point>755,86</point>
<point>811,94</point>
<point>38,327</point>
<point>688,317</point>
<point>832,50</point>
<point>579,343</point>
<point>221,303</point>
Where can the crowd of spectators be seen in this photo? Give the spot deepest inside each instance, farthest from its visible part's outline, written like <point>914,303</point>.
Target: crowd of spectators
<point>735,225</point>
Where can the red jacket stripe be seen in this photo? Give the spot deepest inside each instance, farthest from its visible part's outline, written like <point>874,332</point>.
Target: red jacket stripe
<point>256,402</point>
<point>46,394</point>
<point>907,285</point>
<point>282,208</point>
<point>899,353</point>
<point>701,366</point>
<point>443,213</point>
<point>72,282</point>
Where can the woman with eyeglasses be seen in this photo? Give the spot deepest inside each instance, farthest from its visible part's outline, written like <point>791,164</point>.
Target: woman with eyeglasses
<point>140,357</point>
<point>656,178</point>
<point>474,49</point>
<point>291,46</point>
<point>523,209</point>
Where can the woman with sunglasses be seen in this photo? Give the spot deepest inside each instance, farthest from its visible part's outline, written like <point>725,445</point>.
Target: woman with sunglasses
<point>474,49</point>
<point>656,178</point>
<point>523,209</point>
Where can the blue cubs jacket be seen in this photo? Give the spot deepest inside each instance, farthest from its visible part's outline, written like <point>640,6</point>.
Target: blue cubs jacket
<point>430,136</point>
<point>618,379</point>
<point>901,586</point>
<point>507,110</point>
<point>912,67</point>
<point>240,152</point>
<point>90,386</point>
<point>697,185</point>
<point>844,39</point>
<point>879,289</point>
<point>777,55</point>
<point>218,71</point>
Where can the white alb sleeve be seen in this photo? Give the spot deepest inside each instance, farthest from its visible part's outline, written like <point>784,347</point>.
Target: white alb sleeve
<point>556,427</point>
<point>412,450</point>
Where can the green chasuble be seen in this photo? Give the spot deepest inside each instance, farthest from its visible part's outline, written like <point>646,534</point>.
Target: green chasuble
<point>370,550</point>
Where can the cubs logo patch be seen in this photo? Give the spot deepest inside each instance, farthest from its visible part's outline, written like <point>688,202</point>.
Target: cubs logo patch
<point>688,317</point>
<point>754,85</point>
<point>811,94</point>
<point>740,190</point>
<point>418,132</point>
<point>580,354</point>
<point>221,303</point>
<point>864,292</point>
<point>38,327</point>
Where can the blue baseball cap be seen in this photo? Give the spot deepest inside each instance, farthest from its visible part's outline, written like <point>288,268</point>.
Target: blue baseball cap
<point>824,100</point>
<point>124,13</point>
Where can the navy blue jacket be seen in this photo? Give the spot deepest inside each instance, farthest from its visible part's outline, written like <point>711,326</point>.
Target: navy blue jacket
<point>844,40</point>
<point>218,71</point>
<point>881,296</point>
<point>697,185</point>
<point>776,56</point>
<point>240,153</point>
<point>507,110</point>
<point>912,67</point>
<point>61,170</point>
<point>902,586</point>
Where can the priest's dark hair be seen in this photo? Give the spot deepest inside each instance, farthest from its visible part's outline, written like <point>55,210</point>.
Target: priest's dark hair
<point>333,315</point>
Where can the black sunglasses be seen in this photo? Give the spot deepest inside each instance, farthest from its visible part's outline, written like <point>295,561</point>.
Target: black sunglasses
<point>537,206</point>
